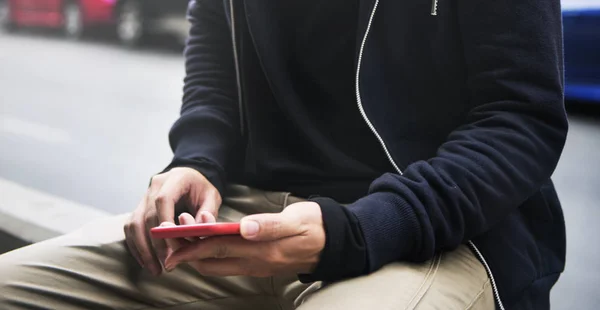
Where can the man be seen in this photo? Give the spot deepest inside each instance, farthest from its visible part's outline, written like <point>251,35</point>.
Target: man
<point>389,154</point>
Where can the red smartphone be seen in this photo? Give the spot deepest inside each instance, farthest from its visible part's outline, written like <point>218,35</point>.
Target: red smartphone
<point>196,230</point>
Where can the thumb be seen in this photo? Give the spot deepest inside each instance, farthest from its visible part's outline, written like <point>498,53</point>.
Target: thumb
<point>269,226</point>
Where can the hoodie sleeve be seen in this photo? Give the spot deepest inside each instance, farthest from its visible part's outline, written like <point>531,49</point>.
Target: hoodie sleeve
<point>507,147</point>
<point>204,135</point>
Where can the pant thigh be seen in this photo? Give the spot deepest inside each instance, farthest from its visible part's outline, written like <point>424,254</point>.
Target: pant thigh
<point>461,283</point>
<point>451,280</point>
<point>91,268</point>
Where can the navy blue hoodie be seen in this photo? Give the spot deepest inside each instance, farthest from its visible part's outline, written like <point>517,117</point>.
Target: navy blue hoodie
<point>466,98</point>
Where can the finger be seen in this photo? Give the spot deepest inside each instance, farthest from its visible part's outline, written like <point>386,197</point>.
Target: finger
<point>170,192</point>
<point>210,204</point>
<point>156,182</point>
<point>207,217</point>
<point>164,203</point>
<point>172,243</point>
<point>215,247</point>
<point>138,232</point>
<point>131,245</point>
<point>270,226</point>
<point>159,246</point>
<point>187,219</point>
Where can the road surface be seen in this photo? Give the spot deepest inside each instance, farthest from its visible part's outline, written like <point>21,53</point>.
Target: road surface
<point>88,122</point>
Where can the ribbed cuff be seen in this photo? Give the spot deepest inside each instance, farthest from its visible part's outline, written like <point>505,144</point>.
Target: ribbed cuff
<point>390,228</point>
<point>344,255</point>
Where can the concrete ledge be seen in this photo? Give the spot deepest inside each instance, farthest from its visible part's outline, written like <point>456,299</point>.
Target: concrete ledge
<point>9,242</point>
<point>33,216</point>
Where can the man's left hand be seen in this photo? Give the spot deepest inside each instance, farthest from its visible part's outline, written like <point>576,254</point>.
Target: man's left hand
<point>270,244</point>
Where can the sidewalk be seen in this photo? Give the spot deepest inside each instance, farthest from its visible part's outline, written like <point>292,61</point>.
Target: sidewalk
<point>10,242</point>
<point>28,215</point>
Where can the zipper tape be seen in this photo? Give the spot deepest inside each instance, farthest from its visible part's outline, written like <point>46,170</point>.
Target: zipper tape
<point>238,75</point>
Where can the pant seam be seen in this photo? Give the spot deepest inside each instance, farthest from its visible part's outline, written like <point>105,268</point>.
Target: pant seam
<point>272,279</point>
<point>479,295</point>
<point>197,300</point>
<point>285,200</point>
<point>433,268</point>
<point>307,293</point>
<point>272,284</point>
<point>274,291</point>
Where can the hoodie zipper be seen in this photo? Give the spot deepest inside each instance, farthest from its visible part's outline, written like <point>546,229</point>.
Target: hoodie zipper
<point>238,74</point>
<point>387,153</point>
<point>434,7</point>
<point>489,271</point>
<point>359,99</point>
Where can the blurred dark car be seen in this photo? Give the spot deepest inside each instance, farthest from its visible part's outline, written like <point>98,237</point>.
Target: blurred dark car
<point>582,50</point>
<point>133,20</point>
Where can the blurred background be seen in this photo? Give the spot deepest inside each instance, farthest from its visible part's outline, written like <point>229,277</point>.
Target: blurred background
<point>90,88</point>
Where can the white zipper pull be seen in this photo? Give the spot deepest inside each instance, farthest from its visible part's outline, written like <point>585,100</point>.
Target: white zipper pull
<point>434,7</point>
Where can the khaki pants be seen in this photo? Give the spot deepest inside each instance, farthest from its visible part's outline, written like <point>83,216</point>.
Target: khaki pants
<point>92,269</point>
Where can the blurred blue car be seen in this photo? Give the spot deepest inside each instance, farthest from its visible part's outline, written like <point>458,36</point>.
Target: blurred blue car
<point>581,20</point>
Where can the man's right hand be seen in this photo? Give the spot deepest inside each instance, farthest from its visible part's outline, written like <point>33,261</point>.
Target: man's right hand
<point>178,186</point>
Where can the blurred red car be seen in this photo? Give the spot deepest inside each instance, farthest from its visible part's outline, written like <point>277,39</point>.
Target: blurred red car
<point>133,20</point>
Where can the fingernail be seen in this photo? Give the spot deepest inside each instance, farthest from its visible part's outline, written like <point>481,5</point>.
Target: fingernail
<point>170,265</point>
<point>170,268</point>
<point>249,228</point>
